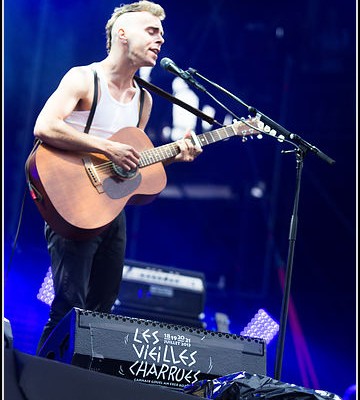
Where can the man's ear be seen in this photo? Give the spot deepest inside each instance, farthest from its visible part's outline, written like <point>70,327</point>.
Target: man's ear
<point>122,35</point>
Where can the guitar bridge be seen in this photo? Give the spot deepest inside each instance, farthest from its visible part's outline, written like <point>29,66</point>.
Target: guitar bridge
<point>92,174</point>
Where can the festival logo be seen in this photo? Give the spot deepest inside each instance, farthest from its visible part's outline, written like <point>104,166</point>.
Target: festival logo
<point>163,357</point>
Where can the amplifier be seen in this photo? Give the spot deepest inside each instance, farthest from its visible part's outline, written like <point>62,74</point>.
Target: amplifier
<point>149,351</point>
<point>150,290</point>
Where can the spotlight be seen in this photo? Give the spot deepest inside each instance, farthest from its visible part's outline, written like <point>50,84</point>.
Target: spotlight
<point>46,291</point>
<point>261,326</point>
<point>258,190</point>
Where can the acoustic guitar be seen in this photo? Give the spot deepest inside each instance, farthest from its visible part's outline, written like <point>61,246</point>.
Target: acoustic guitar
<point>80,194</point>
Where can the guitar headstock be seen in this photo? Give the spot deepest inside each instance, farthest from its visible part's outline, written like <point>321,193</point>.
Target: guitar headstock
<point>248,127</point>
<point>254,127</point>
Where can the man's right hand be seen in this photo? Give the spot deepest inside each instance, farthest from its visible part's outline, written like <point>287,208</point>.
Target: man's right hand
<point>123,155</point>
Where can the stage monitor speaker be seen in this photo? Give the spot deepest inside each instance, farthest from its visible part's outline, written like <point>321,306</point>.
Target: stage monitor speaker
<point>163,293</point>
<point>149,351</point>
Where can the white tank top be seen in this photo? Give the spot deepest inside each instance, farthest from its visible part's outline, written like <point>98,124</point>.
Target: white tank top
<point>110,115</point>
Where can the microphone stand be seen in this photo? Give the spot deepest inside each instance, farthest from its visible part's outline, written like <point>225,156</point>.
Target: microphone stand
<point>301,148</point>
<point>269,122</point>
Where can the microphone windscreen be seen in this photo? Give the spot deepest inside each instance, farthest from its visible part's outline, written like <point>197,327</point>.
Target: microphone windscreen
<point>165,62</point>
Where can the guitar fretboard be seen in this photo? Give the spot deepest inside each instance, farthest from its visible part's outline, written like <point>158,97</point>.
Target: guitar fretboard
<point>167,151</point>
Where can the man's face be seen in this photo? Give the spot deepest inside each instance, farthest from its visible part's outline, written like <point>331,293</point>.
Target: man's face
<point>144,34</point>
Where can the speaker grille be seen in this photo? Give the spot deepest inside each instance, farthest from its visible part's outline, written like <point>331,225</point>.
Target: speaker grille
<point>151,351</point>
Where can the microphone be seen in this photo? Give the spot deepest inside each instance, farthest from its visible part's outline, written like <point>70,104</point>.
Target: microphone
<point>170,66</point>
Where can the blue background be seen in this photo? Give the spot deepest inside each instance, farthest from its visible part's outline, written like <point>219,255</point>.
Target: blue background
<point>304,79</point>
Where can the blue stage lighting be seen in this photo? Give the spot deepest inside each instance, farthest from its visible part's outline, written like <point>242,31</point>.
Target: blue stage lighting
<point>46,291</point>
<point>261,326</point>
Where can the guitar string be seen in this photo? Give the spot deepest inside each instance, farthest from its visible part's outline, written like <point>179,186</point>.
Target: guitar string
<point>162,151</point>
<point>147,157</point>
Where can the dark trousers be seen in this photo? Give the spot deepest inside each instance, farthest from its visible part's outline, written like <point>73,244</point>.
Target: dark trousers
<point>86,273</point>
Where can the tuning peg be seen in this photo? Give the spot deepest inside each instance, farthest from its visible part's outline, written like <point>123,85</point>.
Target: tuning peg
<point>260,125</point>
<point>272,132</point>
<point>259,136</point>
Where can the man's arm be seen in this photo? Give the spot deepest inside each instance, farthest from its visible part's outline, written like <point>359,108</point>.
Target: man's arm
<point>75,92</point>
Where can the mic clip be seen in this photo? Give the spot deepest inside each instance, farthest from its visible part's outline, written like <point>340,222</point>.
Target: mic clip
<point>187,76</point>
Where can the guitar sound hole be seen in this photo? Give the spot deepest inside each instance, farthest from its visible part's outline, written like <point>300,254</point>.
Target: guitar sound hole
<point>124,174</point>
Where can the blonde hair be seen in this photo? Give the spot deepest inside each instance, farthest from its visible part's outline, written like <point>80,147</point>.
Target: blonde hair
<point>142,5</point>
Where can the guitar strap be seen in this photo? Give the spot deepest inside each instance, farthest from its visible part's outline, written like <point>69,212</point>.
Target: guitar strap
<point>93,105</point>
<point>142,97</point>
<point>35,194</point>
<point>175,100</point>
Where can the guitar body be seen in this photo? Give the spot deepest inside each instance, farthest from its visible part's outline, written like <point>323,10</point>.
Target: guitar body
<point>80,194</point>
<point>71,203</point>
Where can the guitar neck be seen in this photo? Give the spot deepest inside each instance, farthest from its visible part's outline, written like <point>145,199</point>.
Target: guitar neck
<point>167,151</point>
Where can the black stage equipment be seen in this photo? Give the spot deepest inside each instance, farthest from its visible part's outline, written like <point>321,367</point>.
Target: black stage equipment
<point>151,351</point>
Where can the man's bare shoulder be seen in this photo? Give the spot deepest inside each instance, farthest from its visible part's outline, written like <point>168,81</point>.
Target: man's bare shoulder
<point>79,77</point>
<point>80,71</point>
